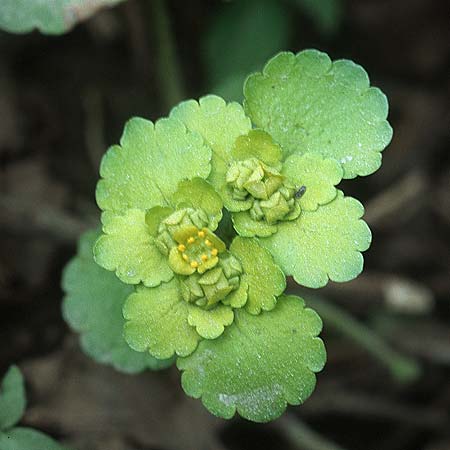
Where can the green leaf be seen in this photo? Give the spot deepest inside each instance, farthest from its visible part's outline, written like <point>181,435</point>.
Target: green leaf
<point>229,57</point>
<point>310,105</point>
<point>157,321</point>
<point>21,438</point>
<point>210,323</point>
<point>238,298</point>
<point>12,398</point>
<point>128,248</point>
<point>317,174</point>
<point>93,307</point>
<point>48,16</point>
<point>265,279</point>
<point>257,144</point>
<point>218,122</point>
<point>260,363</point>
<point>198,193</point>
<point>144,171</point>
<point>322,244</point>
<point>248,227</point>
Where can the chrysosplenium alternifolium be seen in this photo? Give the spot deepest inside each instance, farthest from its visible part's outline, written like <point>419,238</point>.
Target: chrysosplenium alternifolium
<point>190,290</point>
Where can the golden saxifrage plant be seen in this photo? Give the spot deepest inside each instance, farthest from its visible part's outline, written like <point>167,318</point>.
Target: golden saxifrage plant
<point>204,214</point>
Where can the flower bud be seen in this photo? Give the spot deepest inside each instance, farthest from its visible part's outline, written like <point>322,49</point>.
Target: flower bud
<point>208,289</point>
<point>273,196</point>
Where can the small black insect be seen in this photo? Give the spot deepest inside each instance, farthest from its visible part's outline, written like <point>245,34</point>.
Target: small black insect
<point>300,192</point>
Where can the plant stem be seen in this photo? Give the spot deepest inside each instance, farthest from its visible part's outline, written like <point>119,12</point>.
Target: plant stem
<point>302,436</point>
<point>403,368</point>
<point>168,66</point>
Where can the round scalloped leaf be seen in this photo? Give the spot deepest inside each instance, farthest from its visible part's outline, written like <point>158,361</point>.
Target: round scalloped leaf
<point>318,175</point>
<point>238,298</point>
<point>157,321</point>
<point>312,105</point>
<point>260,364</point>
<point>12,398</point>
<point>232,204</point>
<point>128,248</point>
<point>198,193</point>
<point>144,171</point>
<point>48,16</point>
<point>22,438</point>
<point>93,307</point>
<point>219,123</point>
<point>257,144</point>
<point>248,227</point>
<point>210,323</point>
<point>322,244</point>
<point>265,279</point>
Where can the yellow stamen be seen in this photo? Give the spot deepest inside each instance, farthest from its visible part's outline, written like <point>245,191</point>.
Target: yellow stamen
<point>208,242</point>
<point>181,248</point>
<point>185,257</point>
<point>191,240</point>
<point>201,234</point>
<point>194,264</point>
<point>214,252</point>
<point>204,257</point>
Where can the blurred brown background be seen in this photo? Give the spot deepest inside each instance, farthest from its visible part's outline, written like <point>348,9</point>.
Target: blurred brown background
<point>63,100</point>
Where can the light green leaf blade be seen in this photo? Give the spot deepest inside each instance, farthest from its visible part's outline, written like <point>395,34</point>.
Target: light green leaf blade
<point>12,398</point>
<point>93,307</point>
<point>198,193</point>
<point>247,227</point>
<point>317,174</point>
<point>22,438</point>
<point>238,298</point>
<point>48,16</point>
<point>128,249</point>
<point>257,144</point>
<point>211,323</point>
<point>322,244</point>
<point>265,279</point>
<point>312,105</point>
<point>260,364</point>
<point>144,171</point>
<point>219,123</point>
<point>157,321</point>
<point>229,57</point>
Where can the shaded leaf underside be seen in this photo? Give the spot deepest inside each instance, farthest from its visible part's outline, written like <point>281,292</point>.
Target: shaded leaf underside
<point>93,307</point>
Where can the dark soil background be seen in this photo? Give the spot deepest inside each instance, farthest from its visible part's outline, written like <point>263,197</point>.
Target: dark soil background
<point>64,99</point>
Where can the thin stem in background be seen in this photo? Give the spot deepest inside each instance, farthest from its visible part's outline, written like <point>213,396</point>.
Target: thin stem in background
<point>301,436</point>
<point>168,67</point>
<point>403,368</point>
